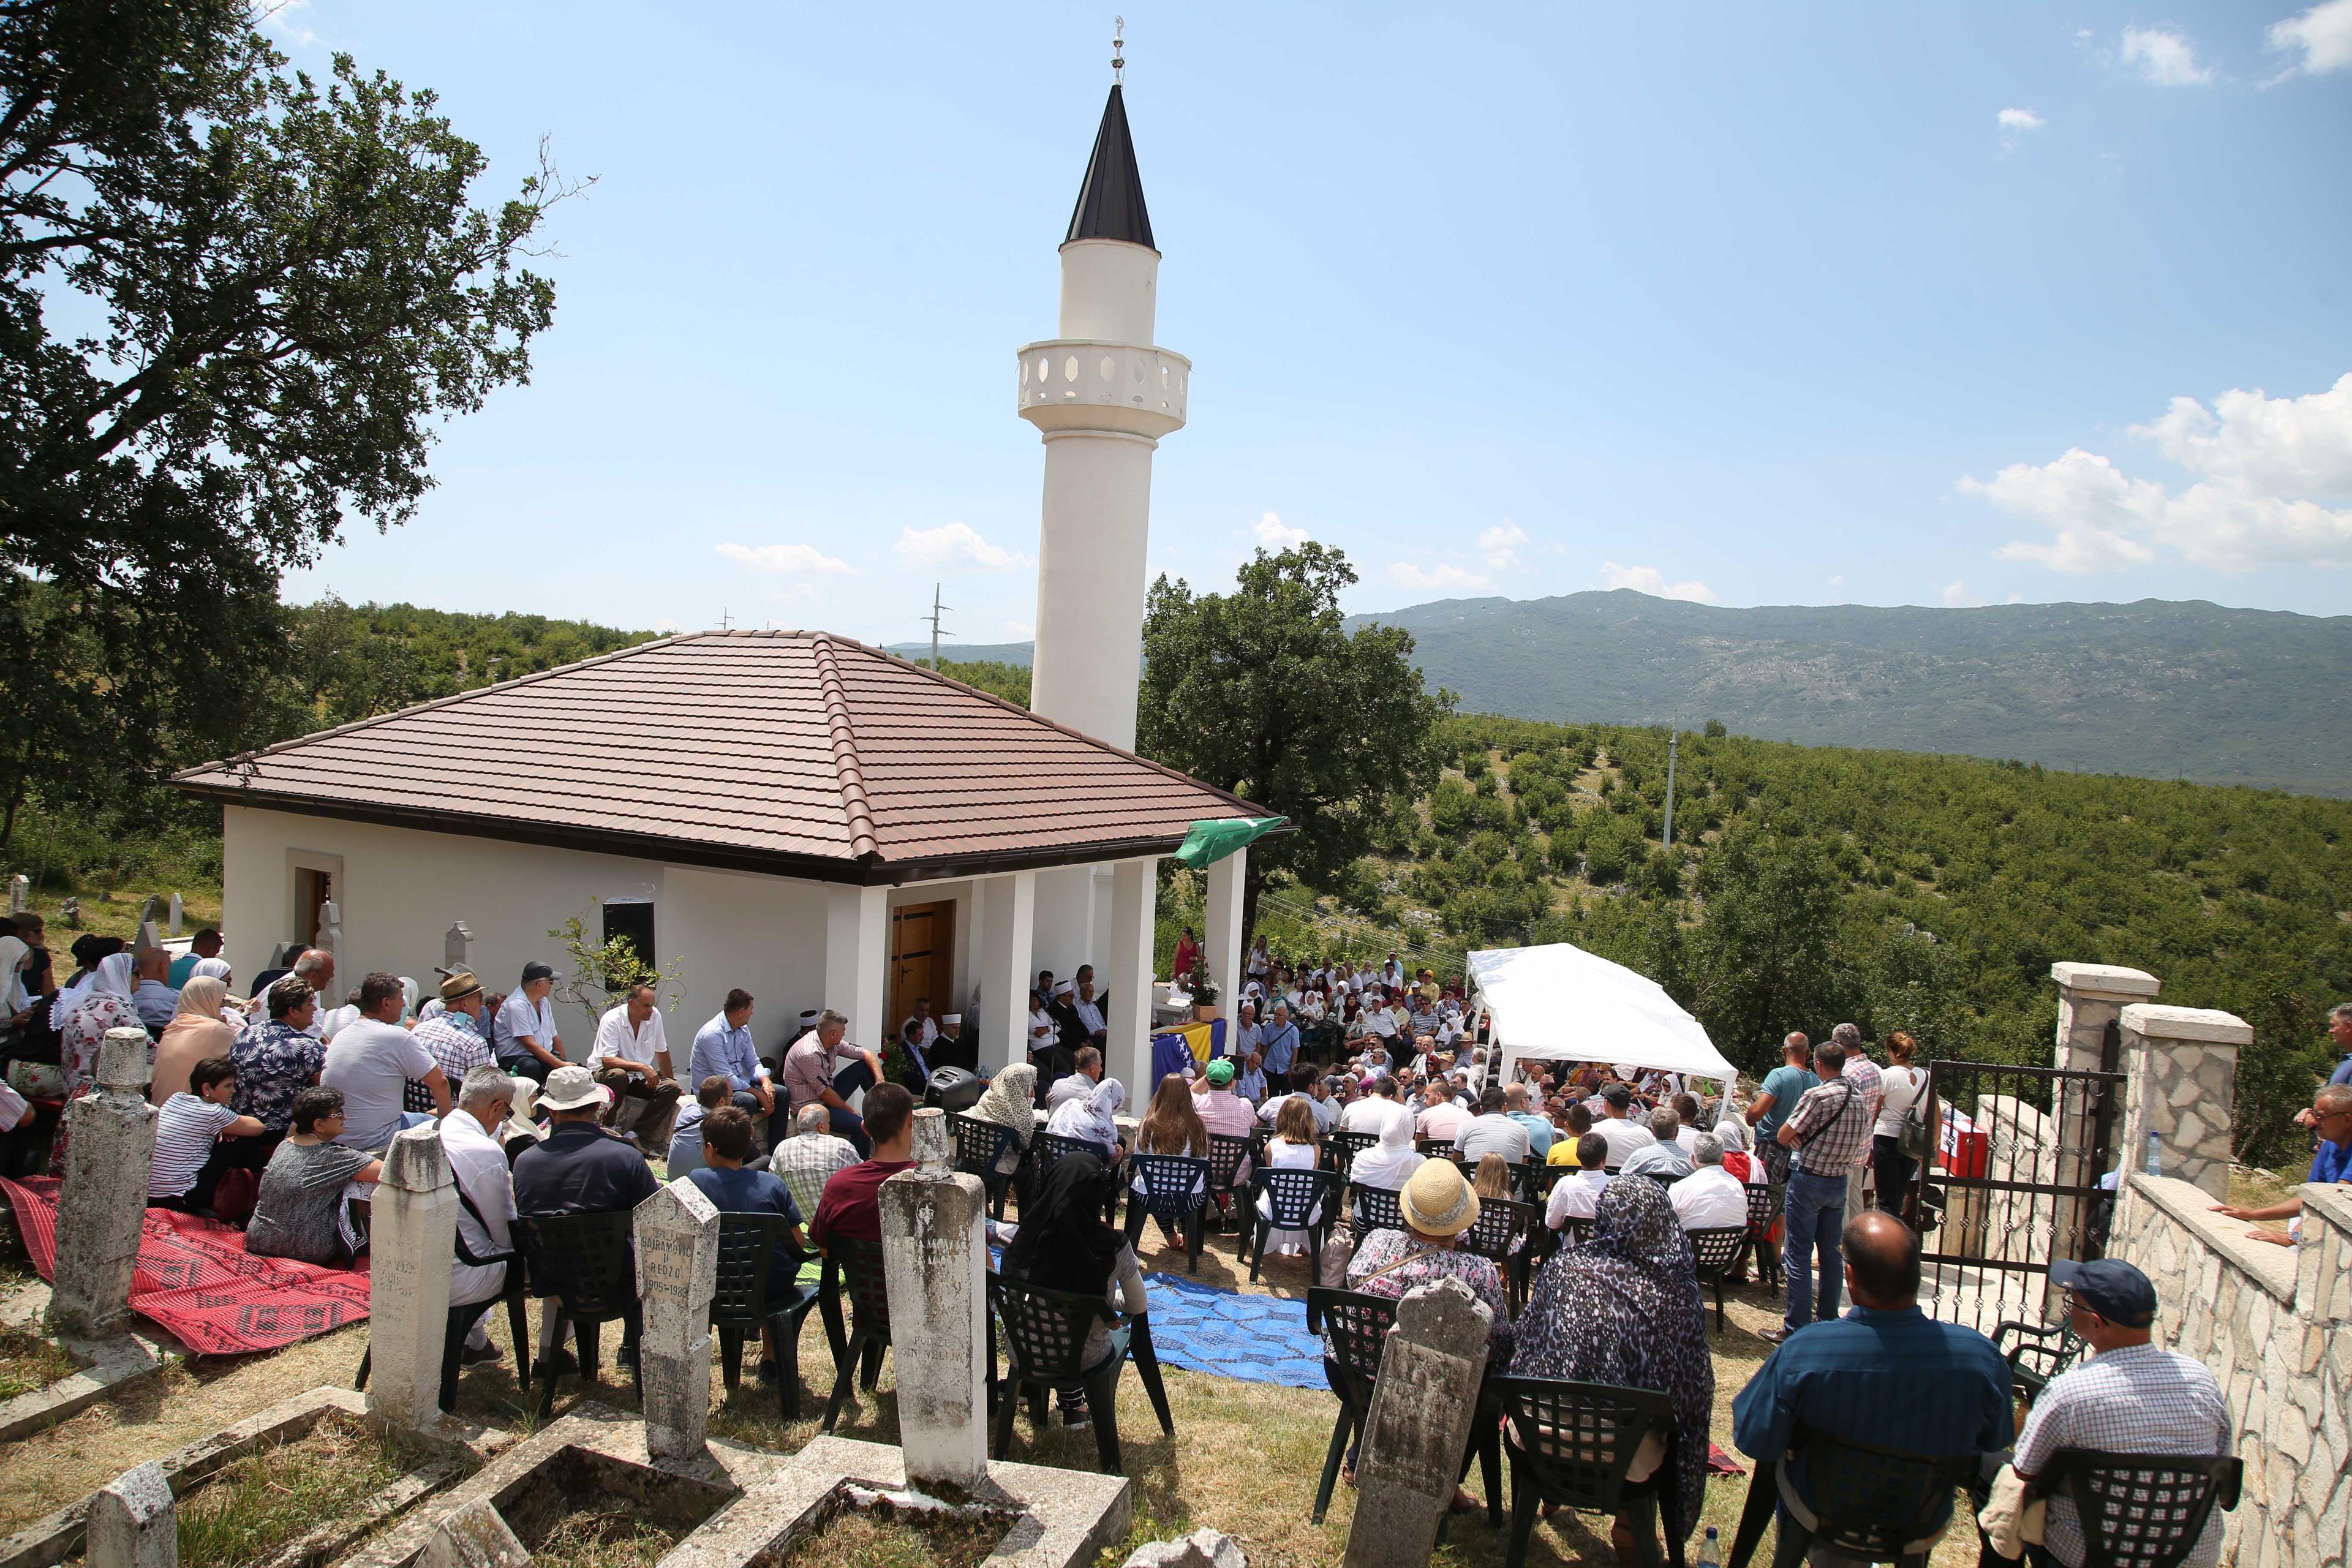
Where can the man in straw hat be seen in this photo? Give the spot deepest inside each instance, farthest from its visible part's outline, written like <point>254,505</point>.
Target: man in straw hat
<point>454,1032</point>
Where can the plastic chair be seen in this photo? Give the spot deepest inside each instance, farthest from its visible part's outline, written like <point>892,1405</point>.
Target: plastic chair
<point>1501,1224</point>
<point>1571,1445</point>
<point>861,1277</point>
<point>1358,1325</point>
<point>1175,1192</point>
<point>979,1145</point>
<point>2141,1511</point>
<point>739,1306</point>
<point>1763,1214</point>
<point>1045,1335</point>
<point>461,1321</point>
<point>1664,1181</point>
<point>1882,1505</point>
<point>1226,1153</point>
<point>1341,1149</point>
<point>1718,1250</point>
<point>1051,1149</point>
<point>2036,1353</point>
<point>1374,1208</point>
<point>585,1262</point>
<point>1431,1148</point>
<point>1292,1198</point>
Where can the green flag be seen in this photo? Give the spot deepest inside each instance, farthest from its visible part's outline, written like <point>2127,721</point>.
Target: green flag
<point>1213,840</point>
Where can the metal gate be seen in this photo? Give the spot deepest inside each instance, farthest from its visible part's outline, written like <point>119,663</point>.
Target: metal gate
<point>2013,1182</point>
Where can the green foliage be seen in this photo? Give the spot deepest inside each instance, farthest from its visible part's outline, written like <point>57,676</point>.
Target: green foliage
<point>235,302</point>
<point>596,974</point>
<point>998,678</point>
<point>1263,692</point>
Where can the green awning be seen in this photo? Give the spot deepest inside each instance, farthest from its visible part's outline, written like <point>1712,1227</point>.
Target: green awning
<point>1217,837</point>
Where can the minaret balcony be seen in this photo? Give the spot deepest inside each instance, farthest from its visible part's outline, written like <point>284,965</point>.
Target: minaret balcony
<point>1081,385</point>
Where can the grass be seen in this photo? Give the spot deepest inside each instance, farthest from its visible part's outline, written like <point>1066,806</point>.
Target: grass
<point>258,1504</point>
<point>29,1360</point>
<point>859,1540</point>
<point>602,1538</point>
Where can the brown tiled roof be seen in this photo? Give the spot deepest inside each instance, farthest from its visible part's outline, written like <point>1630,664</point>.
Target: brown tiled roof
<point>799,753</point>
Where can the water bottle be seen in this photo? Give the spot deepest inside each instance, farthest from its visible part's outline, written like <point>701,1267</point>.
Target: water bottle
<point>1710,1555</point>
<point>2155,1163</point>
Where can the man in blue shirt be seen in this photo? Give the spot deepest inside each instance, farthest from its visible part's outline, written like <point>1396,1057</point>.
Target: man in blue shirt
<point>2330,1116</point>
<point>731,1189</point>
<point>1280,1040</point>
<point>1885,1373</point>
<point>1540,1132</point>
<point>2339,1029</point>
<point>723,1048</point>
<point>1775,1099</point>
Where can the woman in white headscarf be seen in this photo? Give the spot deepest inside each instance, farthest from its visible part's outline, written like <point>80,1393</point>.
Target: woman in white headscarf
<point>104,1004</point>
<point>217,969</point>
<point>15,1003</point>
<point>1390,1162</point>
<point>1735,1157</point>
<point>195,1032</point>
<point>1093,1119</point>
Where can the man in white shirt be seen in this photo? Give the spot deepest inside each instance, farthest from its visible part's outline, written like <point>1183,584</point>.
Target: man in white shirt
<point>1393,972</point>
<point>1374,1110</point>
<point>470,1137</point>
<point>1089,1014</point>
<point>524,1034</point>
<point>1710,1197</point>
<point>631,1057</point>
<point>1622,1137</point>
<point>372,1061</point>
<point>1574,1196</point>
<point>921,1022</point>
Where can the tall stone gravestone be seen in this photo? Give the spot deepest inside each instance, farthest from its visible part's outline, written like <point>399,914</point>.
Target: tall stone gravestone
<point>414,1236</point>
<point>20,893</point>
<point>935,1267</point>
<point>457,946</point>
<point>102,1207</point>
<point>1423,1406</point>
<point>677,1232</point>
<point>133,1522</point>
<point>178,912</point>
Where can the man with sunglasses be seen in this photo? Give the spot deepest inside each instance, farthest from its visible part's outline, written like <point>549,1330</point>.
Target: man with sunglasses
<point>2130,1397</point>
<point>2330,1116</point>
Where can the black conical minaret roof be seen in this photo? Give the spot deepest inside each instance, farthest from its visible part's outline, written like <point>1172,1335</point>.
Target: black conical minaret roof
<point>1110,204</point>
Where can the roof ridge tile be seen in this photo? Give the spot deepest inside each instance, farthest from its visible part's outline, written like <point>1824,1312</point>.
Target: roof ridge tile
<point>860,811</point>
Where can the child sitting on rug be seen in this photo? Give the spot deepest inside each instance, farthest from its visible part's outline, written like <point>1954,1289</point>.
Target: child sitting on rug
<point>305,1211</point>
<point>188,1129</point>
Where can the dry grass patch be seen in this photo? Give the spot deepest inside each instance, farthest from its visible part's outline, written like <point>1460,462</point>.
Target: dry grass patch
<point>30,1359</point>
<point>883,1539</point>
<point>258,1504</point>
<point>602,1538</point>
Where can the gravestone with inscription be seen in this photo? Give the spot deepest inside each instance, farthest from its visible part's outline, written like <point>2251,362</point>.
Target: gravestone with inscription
<point>935,1267</point>
<point>1423,1406</point>
<point>102,1207</point>
<point>414,1238</point>
<point>677,1235</point>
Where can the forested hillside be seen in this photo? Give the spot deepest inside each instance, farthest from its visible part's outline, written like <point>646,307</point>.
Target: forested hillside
<point>1809,885</point>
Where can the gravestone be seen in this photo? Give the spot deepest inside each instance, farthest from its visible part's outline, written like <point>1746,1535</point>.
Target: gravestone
<point>151,909</point>
<point>149,939</point>
<point>1424,1404</point>
<point>414,1236</point>
<point>177,912</point>
<point>456,945</point>
<point>20,893</point>
<point>133,1521</point>
<point>676,1236</point>
<point>935,1267</point>
<point>1201,1549</point>
<point>70,911</point>
<point>475,1536</point>
<point>102,1207</point>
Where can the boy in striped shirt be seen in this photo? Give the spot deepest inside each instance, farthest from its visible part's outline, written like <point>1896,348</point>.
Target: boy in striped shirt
<point>188,1126</point>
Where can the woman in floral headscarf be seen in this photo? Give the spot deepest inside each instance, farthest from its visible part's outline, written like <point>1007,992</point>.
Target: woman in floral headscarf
<point>1623,1309</point>
<point>104,1004</point>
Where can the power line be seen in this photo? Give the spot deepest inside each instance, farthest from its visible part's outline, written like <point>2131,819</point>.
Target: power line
<point>934,618</point>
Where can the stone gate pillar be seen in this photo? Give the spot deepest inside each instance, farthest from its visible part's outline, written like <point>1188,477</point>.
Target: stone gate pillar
<point>2091,999</point>
<point>2181,1069</point>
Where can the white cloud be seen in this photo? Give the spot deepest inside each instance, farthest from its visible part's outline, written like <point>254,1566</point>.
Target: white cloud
<point>953,547</point>
<point>1436,579</point>
<point>2165,58</point>
<point>1837,581</point>
<point>1651,581</point>
<point>1274,533</point>
<point>2323,34</point>
<point>665,626</point>
<point>2020,119</point>
<point>2274,475</point>
<point>1498,546</point>
<point>1955,594</point>
<point>1020,629</point>
<point>789,558</point>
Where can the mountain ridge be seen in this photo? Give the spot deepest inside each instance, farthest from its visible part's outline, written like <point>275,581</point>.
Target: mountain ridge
<point>2154,688</point>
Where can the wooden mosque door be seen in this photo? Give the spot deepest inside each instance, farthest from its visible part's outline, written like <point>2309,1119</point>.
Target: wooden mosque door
<point>922,959</point>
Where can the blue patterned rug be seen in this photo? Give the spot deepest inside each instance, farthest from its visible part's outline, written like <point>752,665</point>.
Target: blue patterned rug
<point>1256,1339</point>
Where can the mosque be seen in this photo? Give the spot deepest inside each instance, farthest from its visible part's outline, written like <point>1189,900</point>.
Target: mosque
<point>794,813</point>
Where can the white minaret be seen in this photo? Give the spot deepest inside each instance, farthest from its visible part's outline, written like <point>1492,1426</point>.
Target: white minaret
<point>1102,396</point>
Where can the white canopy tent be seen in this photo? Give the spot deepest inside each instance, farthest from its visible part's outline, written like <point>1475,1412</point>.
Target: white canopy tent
<point>1559,1003</point>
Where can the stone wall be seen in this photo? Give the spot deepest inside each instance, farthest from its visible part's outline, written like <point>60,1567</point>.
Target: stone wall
<point>2269,1322</point>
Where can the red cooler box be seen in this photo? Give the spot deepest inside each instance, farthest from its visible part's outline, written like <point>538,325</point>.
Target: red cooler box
<point>1966,1152</point>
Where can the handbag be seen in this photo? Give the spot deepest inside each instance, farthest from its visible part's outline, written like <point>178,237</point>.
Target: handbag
<point>1912,1138</point>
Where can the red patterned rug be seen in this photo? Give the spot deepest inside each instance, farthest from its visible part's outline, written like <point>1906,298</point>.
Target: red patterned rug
<point>195,1279</point>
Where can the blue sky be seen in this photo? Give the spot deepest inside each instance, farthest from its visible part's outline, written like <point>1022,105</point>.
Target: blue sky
<point>1885,304</point>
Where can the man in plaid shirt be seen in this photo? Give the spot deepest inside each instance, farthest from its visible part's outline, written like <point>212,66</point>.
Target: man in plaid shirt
<point>807,1159</point>
<point>1825,1134</point>
<point>2129,1399</point>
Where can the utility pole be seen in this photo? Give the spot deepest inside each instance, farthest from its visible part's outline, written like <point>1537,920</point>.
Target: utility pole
<point>1671,739</point>
<point>726,621</point>
<point>934,617</point>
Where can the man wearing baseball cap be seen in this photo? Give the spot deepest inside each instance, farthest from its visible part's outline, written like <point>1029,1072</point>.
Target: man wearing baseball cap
<point>1224,1111</point>
<point>2130,1398</point>
<point>523,1035</point>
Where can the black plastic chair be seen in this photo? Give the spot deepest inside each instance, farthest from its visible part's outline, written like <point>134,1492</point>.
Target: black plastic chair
<point>1175,1192</point>
<point>739,1306</point>
<point>461,1321</point>
<point>1050,1149</point>
<point>585,1262</point>
<point>1882,1505</point>
<point>1718,1250</point>
<point>2036,1353</point>
<point>2141,1511</point>
<point>1341,1149</point>
<point>1571,1445</point>
<point>1434,1148</point>
<point>1358,1325</point>
<point>1763,1214</point>
<point>1665,1183</point>
<point>1226,1153</point>
<point>861,1279</point>
<point>1501,1223</point>
<point>1374,1208</point>
<point>1045,1335</point>
<point>1292,1198</point>
<point>979,1145</point>
<point>1543,1178</point>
